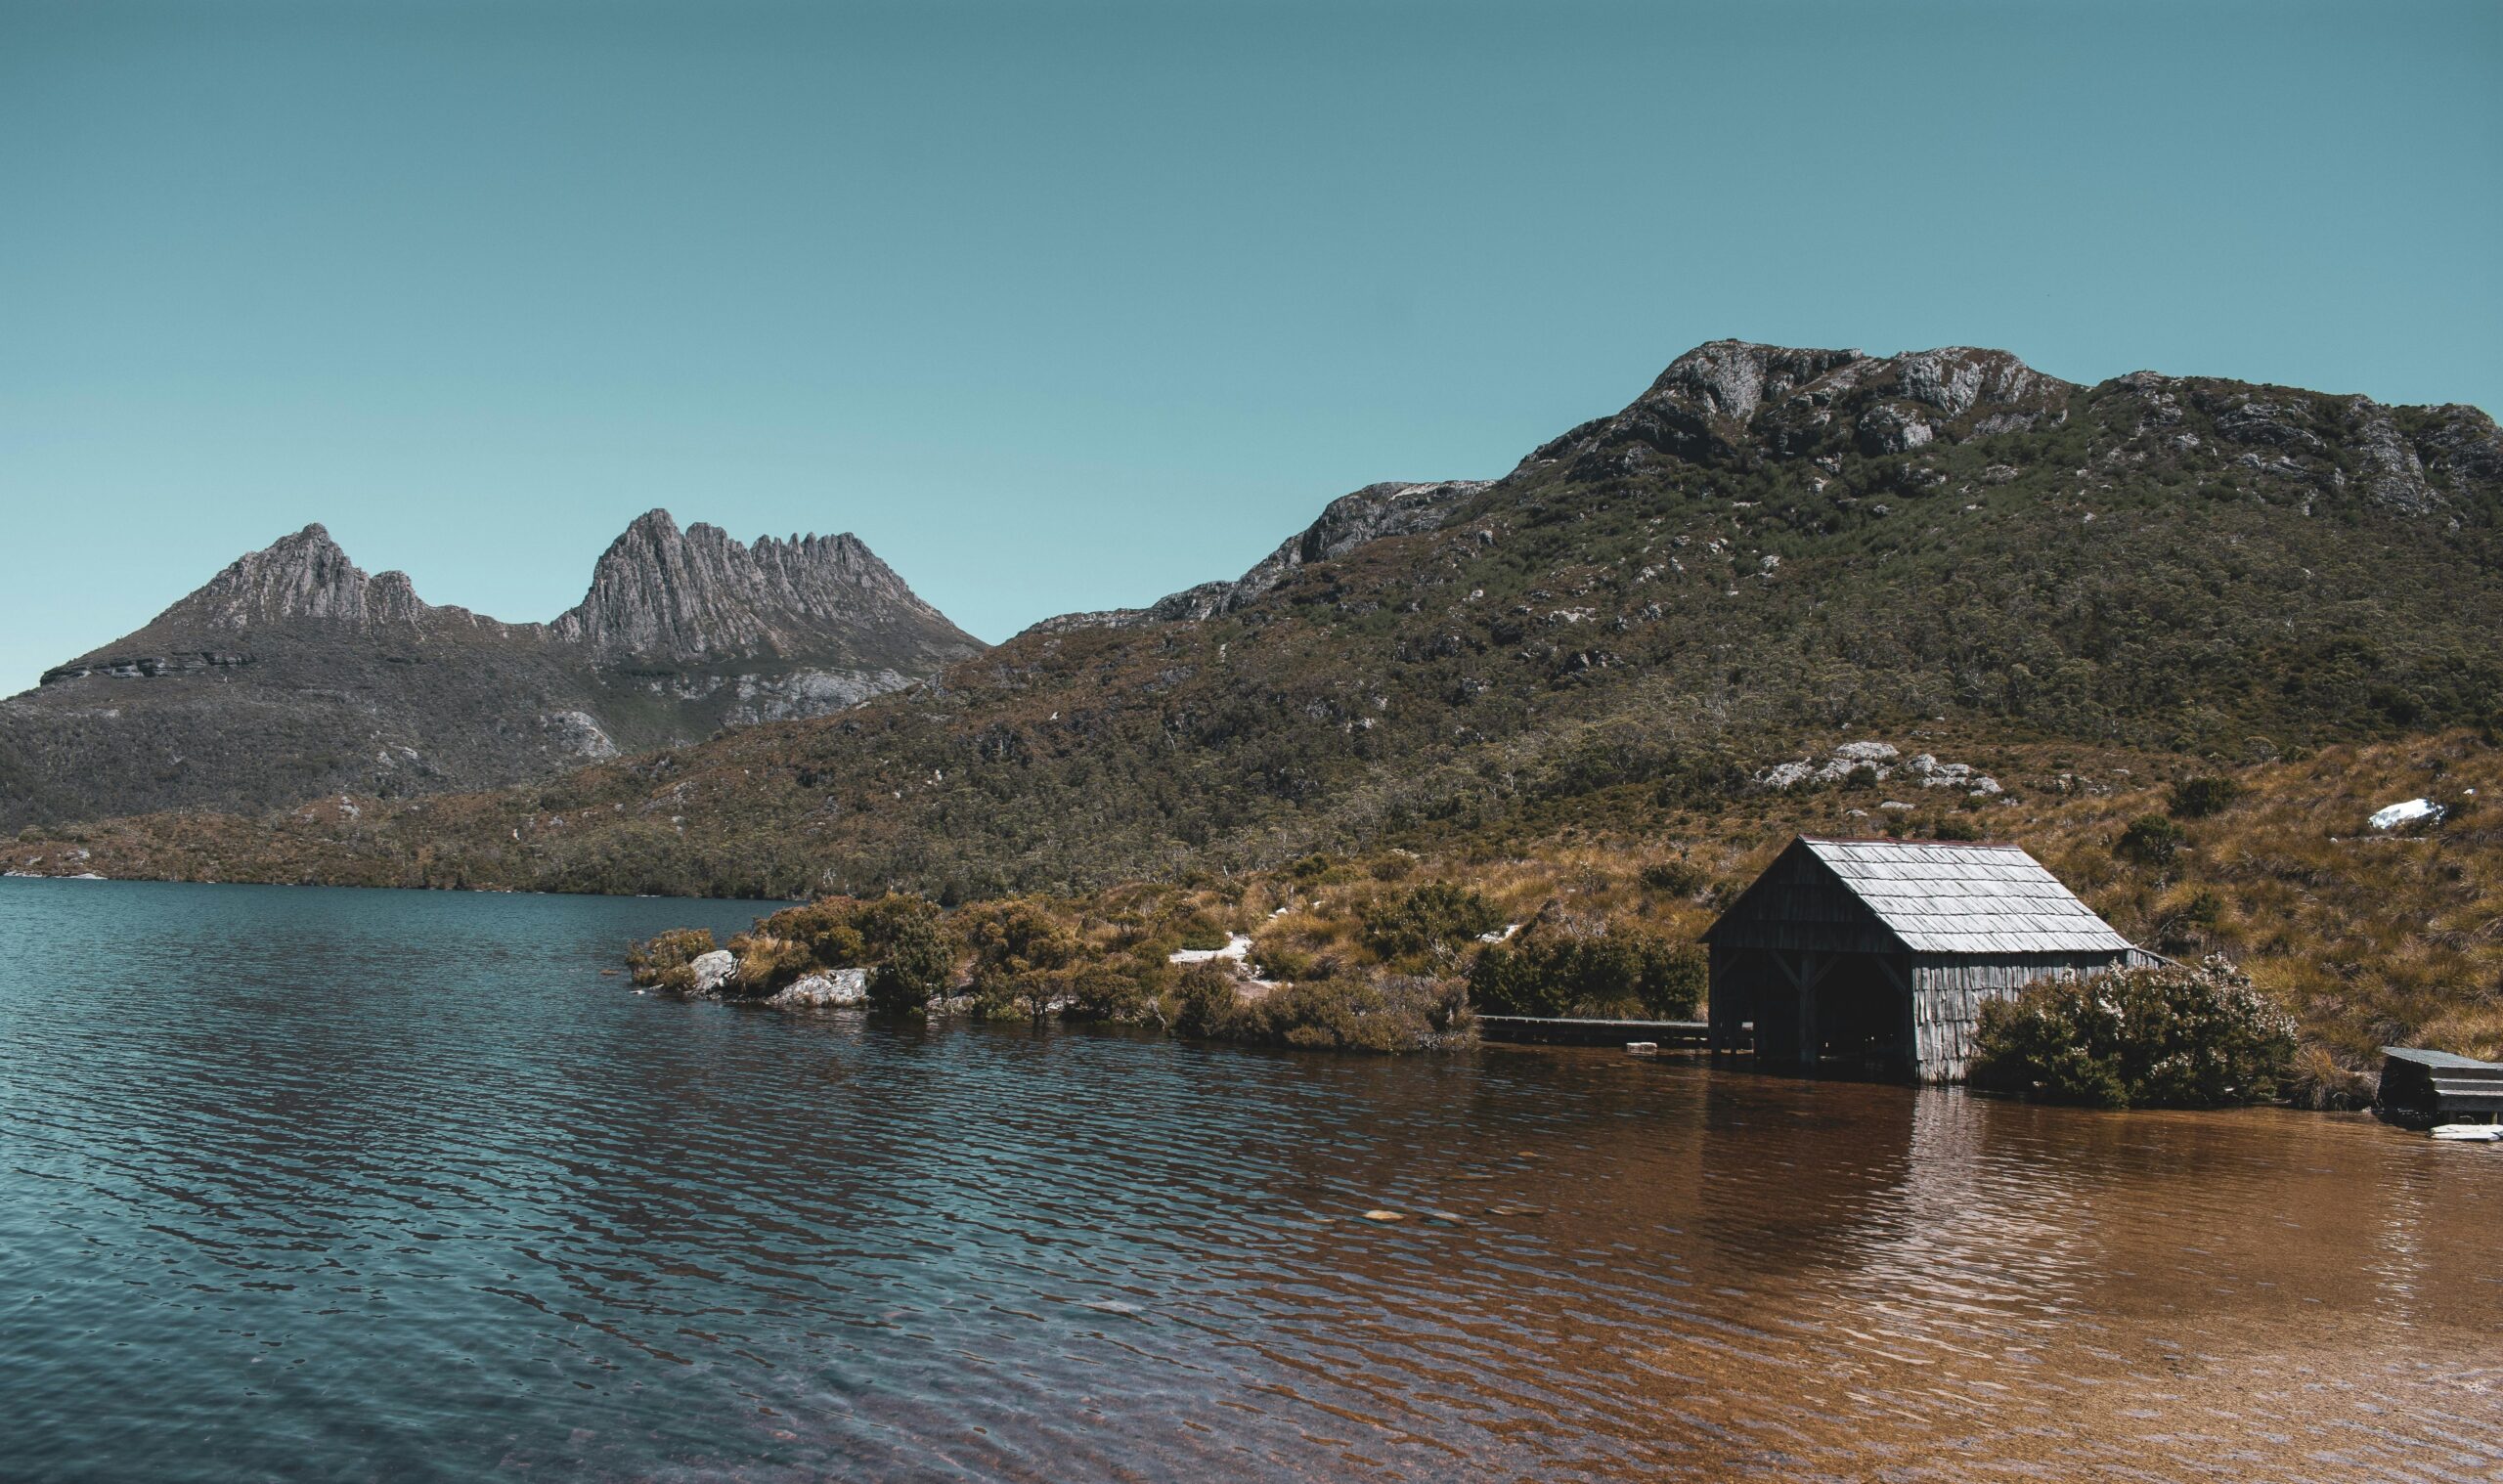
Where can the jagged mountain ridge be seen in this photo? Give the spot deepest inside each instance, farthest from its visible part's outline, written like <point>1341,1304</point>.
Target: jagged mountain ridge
<point>700,596</point>
<point>1768,549</point>
<point>303,576</point>
<point>293,667</point>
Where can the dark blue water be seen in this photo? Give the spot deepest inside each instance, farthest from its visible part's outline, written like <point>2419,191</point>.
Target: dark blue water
<point>303,1184</point>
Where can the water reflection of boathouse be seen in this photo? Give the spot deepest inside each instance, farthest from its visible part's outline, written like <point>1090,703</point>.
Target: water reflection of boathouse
<point>1879,953</point>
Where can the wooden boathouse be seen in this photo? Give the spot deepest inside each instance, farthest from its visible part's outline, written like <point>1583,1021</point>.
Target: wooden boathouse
<point>2422,1088</point>
<point>1876,955</point>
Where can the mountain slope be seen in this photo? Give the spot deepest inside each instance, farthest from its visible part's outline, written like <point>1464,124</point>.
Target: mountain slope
<point>292,673</point>
<point>1376,512</point>
<point>1769,549</point>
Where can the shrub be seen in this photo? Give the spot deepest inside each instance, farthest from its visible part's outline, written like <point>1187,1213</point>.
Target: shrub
<point>2202,796</point>
<point>1023,956</point>
<point>2318,1082</point>
<point>768,963</point>
<point>1380,1012</point>
<point>1435,915</point>
<point>1952,828</point>
<point>1280,960</point>
<point>1211,1002</point>
<point>1118,991</point>
<point>830,929</point>
<point>1619,971</point>
<point>1032,995</point>
<point>1677,878</point>
<point>2166,1036</point>
<point>2189,923</point>
<point>830,933</point>
<point>666,959</point>
<point>2151,839</point>
<point>920,962</point>
<point>1202,932</point>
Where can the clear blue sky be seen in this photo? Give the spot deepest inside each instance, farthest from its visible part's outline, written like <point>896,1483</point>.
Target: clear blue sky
<point>1064,306</point>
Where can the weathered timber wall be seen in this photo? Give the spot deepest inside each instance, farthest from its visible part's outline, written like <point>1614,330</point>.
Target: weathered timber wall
<point>1949,992</point>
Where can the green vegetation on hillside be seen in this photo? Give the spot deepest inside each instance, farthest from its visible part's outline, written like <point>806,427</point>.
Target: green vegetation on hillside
<point>2172,598</point>
<point>1560,638</point>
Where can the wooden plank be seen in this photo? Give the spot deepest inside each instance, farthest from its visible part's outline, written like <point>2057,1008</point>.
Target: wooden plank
<point>1577,1031</point>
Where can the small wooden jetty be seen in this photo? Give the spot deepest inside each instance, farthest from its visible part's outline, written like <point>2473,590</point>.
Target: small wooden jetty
<point>2422,1088</point>
<point>1546,1030</point>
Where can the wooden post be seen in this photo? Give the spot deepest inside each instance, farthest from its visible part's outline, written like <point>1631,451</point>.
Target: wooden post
<point>1808,1042</point>
<point>1715,983</point>
<point>1909,1023</point>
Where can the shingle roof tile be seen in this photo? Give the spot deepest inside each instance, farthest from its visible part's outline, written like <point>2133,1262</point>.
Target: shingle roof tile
<point>1966,898</point>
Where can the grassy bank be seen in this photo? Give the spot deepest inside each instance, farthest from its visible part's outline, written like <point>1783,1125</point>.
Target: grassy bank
<point>2368,937</point>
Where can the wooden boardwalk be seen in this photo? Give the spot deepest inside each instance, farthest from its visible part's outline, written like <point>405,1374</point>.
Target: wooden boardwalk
<point>1542,1030</point>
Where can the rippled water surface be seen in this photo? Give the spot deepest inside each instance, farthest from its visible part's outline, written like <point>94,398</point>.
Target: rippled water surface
<point>350,1185</point>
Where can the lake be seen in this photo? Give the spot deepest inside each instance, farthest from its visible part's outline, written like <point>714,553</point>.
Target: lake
<point>312,1184</point>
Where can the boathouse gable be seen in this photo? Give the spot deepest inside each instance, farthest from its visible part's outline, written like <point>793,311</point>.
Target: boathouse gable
<point>1880,953</point>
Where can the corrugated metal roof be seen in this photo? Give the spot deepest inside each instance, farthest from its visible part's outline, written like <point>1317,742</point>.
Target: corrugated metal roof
<point>1943,896</point>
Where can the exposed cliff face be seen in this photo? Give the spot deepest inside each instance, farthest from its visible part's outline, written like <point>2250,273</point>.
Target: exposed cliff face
<point>697,596</point>
<point>303,576</point>
<point>292,673</point>
<point>1730,397</point>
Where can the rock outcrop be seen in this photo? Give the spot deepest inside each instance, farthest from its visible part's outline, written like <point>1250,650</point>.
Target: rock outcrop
<point>1731,398</point>
<point>303,576</point>
<point>2405,460</point>
<point>713,971</point>
<point>697,596</point>
<point>825,990</point>
<point>1881,761</point>
<point>145,666</point>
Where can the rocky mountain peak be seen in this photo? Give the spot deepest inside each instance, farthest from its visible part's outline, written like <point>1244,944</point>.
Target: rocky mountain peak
<point>300,577</point>
<point>294,673</point>
<point>1733,399</point>
<point>694,595</point>
<point>1730,378</point>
